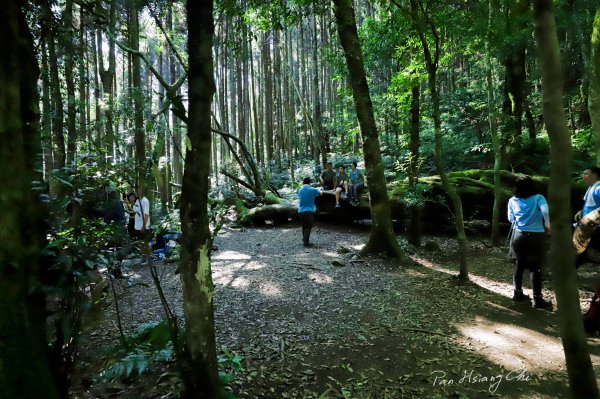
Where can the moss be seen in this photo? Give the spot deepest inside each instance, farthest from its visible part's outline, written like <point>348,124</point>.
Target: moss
<point>271,199</point>
<point>203,276</point>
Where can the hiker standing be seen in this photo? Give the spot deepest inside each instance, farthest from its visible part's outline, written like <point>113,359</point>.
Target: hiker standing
<point>141,207</point>
<point>529,214</point>
<point>306,209</point>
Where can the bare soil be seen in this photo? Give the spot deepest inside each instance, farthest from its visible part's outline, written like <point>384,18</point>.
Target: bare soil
<point>355,328</point>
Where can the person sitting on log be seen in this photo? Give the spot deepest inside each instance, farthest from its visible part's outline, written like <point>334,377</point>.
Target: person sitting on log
<point>356,184</point>
<point>591,202</point>
<point>306,208</point>
<point>341,185</point>
<point>327,178</point>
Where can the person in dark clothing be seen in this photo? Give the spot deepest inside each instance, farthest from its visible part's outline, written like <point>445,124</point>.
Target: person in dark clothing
<point>528,212</point>
<point>327,178</point>
<point>114,212</point>
<point>306,208</point>
<point>129,201</point>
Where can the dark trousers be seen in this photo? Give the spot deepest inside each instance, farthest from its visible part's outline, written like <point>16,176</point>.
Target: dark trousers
<point>530,249</point>
<point>307,219</point>
<point>355,190</point>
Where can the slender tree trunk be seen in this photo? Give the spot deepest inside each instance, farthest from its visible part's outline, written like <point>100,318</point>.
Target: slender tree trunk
<point>268,95</point>
<point>58,137</point>
<point>24,368</point>
<point>492,10</point>
<point>381,238</point>
<point>414,230</point>
<point>68,38</point>
<point>138,97</point>
<point>579,366</point>
<point>316,98</point>
<point>83,80</point>
<point>594,82</point>
<point>431,61</point>
<point>46,133</point>
<point>202,381</point>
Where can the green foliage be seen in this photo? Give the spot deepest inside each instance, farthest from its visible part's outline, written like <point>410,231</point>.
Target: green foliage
<point>241,209</point>
<point>150,344</point>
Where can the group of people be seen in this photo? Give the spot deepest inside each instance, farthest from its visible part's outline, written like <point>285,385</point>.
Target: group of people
<point>528,212</point>
<point>340,184</point>
<point>343,185</point>
<point>134,208</point>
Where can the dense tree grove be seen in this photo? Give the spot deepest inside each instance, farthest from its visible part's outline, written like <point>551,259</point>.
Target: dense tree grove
<point>203,104</point>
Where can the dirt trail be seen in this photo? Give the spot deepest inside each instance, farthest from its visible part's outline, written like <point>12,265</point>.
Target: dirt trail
<point>365,329</point>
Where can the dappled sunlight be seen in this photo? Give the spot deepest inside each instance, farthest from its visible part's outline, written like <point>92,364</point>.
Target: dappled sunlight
<point>497,287</point>
<point>271,289</point>
<point>331,254</point>
<point>320,278</point>
<point>231,255</point>
<point>513,346</point>
<point>357,247</point>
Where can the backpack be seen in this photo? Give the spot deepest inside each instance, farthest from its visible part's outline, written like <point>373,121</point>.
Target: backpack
<point>591,318</point>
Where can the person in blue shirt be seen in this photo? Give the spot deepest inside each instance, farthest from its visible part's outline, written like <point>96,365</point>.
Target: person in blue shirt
<point>591,202</point>
<point>356,184</point>
<point>306,208</point>
<point>528,212</point>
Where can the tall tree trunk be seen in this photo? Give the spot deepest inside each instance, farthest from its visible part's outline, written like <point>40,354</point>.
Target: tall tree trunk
<point>24,368</point>
<point>68,38</point>
<point>414,230</point>
<point>316,97</point>
<point>138,97</point>
<point>202,381</point>
<point>268,95</point>
<point>83,80</point>
<point>46,133</point>
<point>58,137</point>
<point>594,82</point>
<point>579,366</point>
<point>381,238</point>
<point>492,10</point>
<point>432,62</point>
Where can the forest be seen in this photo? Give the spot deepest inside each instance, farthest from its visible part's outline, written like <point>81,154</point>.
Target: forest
<point>299,199</point>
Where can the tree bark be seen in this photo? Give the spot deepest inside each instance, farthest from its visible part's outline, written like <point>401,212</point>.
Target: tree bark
<point>414,230</point>
<point>138,98</point>
<point>381,238</point>
<point>579,366</point>
<point>492,10</point>
<point>594,82</point>
<point>68,38</point>
<point>431,62</point>
<point>202,380</point>
<point>25,371</point>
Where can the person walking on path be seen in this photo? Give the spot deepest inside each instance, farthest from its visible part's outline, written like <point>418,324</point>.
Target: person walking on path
<point>528,212</point>
<point>306,208</point>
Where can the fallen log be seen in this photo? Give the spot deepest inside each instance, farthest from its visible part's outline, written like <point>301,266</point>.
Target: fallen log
<point>475,188</point>
<point>279,213</point>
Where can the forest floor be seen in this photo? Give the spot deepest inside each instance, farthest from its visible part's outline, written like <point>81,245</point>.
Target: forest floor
<point>359,328</point>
